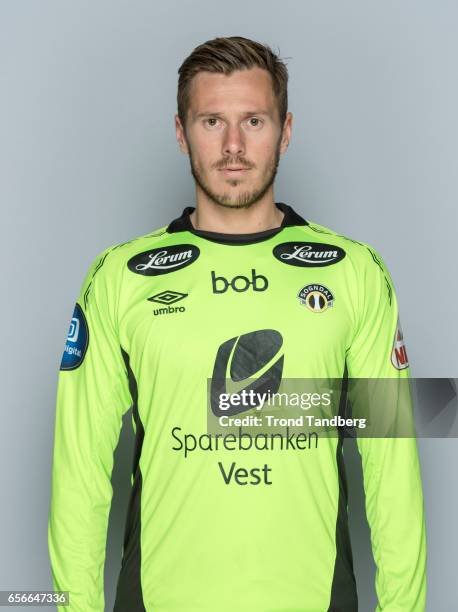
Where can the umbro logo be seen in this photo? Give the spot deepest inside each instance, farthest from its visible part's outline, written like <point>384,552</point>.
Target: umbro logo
<point>166,298</point>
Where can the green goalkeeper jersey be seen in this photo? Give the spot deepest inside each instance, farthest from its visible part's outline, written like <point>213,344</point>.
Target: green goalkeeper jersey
<point>164,324</point>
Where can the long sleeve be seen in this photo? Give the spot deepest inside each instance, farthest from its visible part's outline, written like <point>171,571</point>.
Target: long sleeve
<point>92,396</point>
<point>391,469</point>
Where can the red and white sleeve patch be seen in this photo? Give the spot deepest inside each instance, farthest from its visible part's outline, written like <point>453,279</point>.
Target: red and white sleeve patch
<point>399,352</point>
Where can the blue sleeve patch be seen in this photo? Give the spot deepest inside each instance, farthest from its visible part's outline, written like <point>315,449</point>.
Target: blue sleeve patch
<point>77,340</point>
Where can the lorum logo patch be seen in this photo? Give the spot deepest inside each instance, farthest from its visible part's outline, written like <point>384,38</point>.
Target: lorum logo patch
<point>308,254</point>
<point>163,259</point>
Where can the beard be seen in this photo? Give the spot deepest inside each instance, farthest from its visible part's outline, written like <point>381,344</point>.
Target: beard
<point>244,199</point>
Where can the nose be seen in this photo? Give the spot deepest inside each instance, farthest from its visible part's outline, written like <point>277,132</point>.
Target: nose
<point>234,143</point>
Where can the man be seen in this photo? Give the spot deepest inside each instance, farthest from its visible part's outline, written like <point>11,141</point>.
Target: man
<point>240,290</point>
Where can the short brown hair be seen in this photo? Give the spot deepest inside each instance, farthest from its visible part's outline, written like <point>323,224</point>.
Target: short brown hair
<point>225,55</point>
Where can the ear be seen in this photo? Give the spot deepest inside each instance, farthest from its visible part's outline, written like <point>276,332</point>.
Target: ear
<point>286,132</point>
<point>180,135</point>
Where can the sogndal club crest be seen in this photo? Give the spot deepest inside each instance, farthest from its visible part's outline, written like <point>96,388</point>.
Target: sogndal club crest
<point>316,297</point>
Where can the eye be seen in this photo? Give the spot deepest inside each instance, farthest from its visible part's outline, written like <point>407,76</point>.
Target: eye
<point>254,122</point>
<point>211,121</point>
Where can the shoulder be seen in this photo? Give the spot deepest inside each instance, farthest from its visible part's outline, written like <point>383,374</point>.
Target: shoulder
<point>371,279</point>
<point>368,272</point>
<point>114,258</point>
<point>107,267</point>
<point>360,254</point>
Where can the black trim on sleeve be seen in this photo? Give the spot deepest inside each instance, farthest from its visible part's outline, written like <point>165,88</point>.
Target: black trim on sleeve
<point>344,597</point>
<point>129,595</point>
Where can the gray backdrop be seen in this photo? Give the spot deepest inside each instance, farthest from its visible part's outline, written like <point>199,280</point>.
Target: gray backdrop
<point>88,158</point>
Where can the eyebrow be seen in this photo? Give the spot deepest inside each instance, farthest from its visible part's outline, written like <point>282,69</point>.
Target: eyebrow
<point>217,114</point>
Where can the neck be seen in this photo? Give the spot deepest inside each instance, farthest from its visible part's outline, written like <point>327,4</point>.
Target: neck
<point>260,216</point>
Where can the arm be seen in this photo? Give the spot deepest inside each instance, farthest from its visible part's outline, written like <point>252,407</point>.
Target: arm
<point>391,469</point>
<point>92,396</point>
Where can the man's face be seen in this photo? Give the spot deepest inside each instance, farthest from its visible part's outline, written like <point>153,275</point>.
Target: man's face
<point>233,136</point>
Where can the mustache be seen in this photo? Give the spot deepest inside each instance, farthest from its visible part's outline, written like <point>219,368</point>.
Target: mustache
<point>239,161</point>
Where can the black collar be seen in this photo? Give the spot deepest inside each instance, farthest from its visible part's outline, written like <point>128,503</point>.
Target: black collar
<point>183,224</point>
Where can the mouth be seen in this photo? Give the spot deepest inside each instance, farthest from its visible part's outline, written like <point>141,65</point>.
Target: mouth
<point>233,171</point>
